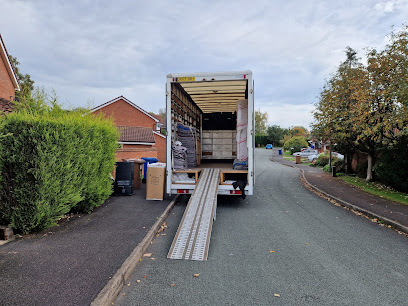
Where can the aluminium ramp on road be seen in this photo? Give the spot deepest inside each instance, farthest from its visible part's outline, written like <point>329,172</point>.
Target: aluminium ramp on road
<point>193,235</point>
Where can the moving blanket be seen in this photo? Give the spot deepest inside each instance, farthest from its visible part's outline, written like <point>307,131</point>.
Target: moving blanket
<point>186,135</point>
<point>240,165</point>
<point>242,127</point>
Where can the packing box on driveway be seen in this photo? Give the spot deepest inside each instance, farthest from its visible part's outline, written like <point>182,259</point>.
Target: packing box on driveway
<point>156,175</point>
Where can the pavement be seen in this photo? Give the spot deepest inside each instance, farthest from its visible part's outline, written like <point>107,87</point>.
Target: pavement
<point>391,213</point>
<point>70,264</point>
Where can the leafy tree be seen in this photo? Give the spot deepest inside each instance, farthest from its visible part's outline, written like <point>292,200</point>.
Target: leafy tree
<point>298,131</point>
<point>261,120</point>
<point>384,115</point>
<point>275,134</point>
<point>365,107</point>
<point>335,110</point>
<point>25,81</point>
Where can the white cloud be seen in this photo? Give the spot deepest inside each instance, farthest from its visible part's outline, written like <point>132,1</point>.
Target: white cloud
<point>388,6</point>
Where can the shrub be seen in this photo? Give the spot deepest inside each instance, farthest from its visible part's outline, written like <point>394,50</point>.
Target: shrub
<point>295,144</point>
<point>327,168</point>
<point>392,168</point>
<point>339,164</point>
<point>322,160</point>
<point>53,162</point>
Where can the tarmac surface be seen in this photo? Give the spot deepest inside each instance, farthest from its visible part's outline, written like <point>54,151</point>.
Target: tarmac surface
<point>393,213</point>
<point>71,263</point>
<point>284,245</point>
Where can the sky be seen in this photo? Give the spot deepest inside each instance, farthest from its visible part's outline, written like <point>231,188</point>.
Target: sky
<point>90,52</point>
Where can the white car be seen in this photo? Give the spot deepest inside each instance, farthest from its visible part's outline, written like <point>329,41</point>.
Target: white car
<point>312,157</point>
<point>306,153</point>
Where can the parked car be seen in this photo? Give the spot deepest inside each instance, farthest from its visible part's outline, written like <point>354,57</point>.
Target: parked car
<point>338,155</point>
<point>306,153</point>
<point>269,146</point>
<point>312,157</point>
<point>334,154</point>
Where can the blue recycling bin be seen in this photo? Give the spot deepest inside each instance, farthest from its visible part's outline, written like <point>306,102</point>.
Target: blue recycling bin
<point>280,151</point>
<point>148,160</point>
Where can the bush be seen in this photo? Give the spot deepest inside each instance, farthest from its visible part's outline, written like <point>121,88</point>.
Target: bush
<point>53,162</point>
<point>339,164</point>
<point>392,168</point>
<point>295,144</point>
<point>322,160</point>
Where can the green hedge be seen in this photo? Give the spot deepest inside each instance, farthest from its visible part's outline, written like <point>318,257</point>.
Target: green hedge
<point>261,140</point>
<point>52,163</point>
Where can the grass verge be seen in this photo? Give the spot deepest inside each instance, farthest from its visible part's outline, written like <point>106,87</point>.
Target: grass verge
<point>377,189</point>
<point>288,156</point>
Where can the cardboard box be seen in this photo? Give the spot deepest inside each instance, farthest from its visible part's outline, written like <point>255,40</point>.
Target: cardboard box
<point>155,181</point>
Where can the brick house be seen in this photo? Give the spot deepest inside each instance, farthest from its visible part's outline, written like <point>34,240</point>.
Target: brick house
<point>139,130</point>
<point>319,145</point>
<point>161,125</point>
<point>8,80</point>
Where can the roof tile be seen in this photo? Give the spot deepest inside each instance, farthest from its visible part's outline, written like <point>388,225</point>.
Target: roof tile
<point>136,134</point>
<point>6,106</point>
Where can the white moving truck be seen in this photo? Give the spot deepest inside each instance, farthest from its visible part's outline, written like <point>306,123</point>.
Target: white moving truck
<point>210,124</point>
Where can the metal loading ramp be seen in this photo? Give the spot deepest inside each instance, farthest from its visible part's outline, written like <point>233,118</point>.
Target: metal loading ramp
<point>193,235</point>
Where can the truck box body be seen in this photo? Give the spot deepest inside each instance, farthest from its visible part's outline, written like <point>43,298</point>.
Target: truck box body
<point>212,116</point>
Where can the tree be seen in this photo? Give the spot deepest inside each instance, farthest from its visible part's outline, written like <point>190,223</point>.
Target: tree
<point>365,107</point>
<point>163,114</point>
<point>26,84</point>
<point>276,134</point>
<point>298,131</point>
<point>335,110</point>
<point>261,120</point>
<point>295,144</point>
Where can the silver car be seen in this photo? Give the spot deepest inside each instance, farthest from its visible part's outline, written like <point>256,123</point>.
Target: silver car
<point>306,152</point>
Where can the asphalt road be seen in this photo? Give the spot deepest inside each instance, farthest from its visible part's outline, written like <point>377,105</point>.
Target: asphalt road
<point>322,253</point>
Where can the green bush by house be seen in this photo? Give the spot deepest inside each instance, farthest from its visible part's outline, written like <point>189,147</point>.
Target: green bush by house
<point>295,144</point>
<point>323,161</point>
<point>51,163</point>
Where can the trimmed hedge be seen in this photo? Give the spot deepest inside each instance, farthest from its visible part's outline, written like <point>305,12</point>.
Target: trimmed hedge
<point>261,140</point>
<point>53,163</point>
